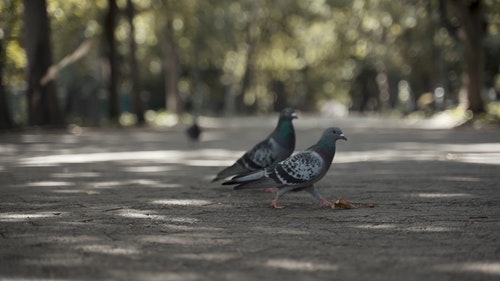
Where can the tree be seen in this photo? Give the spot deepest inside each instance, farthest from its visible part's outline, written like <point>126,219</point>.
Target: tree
<point>172,71</point>
<point>43,107</point>
<point>111,73</point>
<point>134,67</point>
<point>5,120</point>
<point>470,32</point>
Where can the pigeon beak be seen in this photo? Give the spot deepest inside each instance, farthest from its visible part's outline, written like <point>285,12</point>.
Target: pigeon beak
<point>294,116</point>
<point>343,137</point>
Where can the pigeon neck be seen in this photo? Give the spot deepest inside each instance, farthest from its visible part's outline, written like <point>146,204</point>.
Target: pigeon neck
<point>326,148</point>
<point>285,128</point>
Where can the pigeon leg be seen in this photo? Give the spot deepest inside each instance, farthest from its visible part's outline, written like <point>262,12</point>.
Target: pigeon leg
<point>280,192</point>
<point>315,193</point>
<point>274,203</point>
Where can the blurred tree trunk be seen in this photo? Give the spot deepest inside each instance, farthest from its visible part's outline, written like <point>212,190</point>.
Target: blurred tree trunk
<point>5,120</point>
<point>43,108</point>
<point>197,99</point>
<point>472,18</point>
<point>111,70</point>
<point>172,72</point>
<point>246,79</point>
<point>471,30</point>
<point>134,67</point>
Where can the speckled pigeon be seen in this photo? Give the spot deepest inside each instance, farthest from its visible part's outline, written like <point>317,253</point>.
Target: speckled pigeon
<point>297,172</point>
<point>276,147</point>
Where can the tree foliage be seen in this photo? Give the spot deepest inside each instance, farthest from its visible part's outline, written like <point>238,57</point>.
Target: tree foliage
<point>258,56</point>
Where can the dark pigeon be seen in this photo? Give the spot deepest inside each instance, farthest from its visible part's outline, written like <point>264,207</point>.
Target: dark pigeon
<point>278,146</point>
<point>193,132</point>
<point>298,172</point>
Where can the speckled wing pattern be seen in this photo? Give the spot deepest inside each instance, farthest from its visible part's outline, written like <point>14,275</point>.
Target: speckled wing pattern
<point>302,168</point>
<point>261,156</point>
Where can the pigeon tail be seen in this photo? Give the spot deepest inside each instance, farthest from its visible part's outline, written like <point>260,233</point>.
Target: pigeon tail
<point>261,183</point>
<point>249,177</point>
<point>236,168</point>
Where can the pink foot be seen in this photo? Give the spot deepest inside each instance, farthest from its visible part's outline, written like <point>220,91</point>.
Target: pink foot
<point>274,204</point>
<point>325,203</point>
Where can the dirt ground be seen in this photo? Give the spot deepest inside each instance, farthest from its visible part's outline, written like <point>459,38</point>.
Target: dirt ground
<point>137,204</point>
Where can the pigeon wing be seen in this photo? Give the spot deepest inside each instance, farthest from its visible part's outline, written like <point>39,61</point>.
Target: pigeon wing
<point>257,158</point>
<point>260,156</point>
<point>302,168</point>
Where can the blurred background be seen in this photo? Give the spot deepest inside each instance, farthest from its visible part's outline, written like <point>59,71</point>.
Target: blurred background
<point>160,62</point>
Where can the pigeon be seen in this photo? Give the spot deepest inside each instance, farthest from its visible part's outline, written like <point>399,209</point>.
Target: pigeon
<point>297,172</point>
<point>194,131</point>
<point>276,147</point>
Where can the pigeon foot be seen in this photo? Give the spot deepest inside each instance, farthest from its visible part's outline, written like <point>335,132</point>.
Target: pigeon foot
<point>275,205</point>
<point>325,203</point>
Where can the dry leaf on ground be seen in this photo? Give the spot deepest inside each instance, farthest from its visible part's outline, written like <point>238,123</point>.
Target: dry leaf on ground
<point>343,203</point>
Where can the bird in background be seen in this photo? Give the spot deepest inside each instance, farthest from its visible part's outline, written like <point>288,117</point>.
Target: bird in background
<point>194,131</point>
<point>277,146</point>
<point>297,172</point>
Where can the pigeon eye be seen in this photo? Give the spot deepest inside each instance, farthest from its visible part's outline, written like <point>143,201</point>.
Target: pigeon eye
<point>334,132</point>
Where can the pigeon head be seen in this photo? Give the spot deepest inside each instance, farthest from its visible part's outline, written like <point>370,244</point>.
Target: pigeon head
<point>334,134</point>
<point>288,113</point>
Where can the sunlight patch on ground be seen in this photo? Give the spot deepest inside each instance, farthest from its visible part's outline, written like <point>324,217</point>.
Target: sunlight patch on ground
<point>442,195</point>
<point>49,183</point>
<point>149,275</point>
<point>73,239</point>
<point>209,163</point>
<point>214,257</point>
<point>419,228</point>
<point>467,153</point>
<point>148,169</point>
<point>492,268</point>
<point>101,157</point>
<point>17,217</point>
<point>147,214</point>
<point>200,239</point>
<point>185,220</point>
<point>70,191</point>
<point>141,182</point>
<point>138,214</point>
<point>37,279</point>
<point>69,175</point>
<point>190,228</point>
<point>204,157</point>
<point>422,155</point>
<point>461,179</point>
<point>105,184</point>
<point>183,202</point>
<point>376,226</point>
<point>429,228</point>
<point>296,265</point>
<point>481,158</point>
<point>107,249</point>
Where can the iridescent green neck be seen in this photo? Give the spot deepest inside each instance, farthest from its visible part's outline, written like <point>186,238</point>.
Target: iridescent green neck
<point>284,133</point>
<point>326,147</point>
